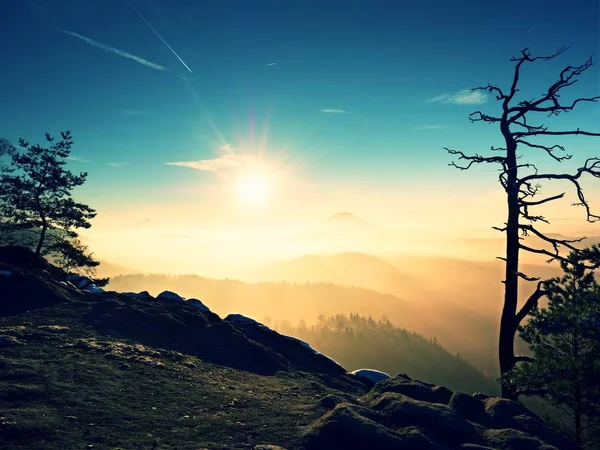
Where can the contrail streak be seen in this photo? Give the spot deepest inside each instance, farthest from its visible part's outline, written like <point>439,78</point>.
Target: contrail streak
<point>116,51</point>
<point>159,36</point>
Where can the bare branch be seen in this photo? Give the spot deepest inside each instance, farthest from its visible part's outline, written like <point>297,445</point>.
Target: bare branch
<point>491,89</point>
<point>591,166</point>
<point>553,257</point>
<point>540,202</point>
<point>473,159</point>
<point>525,57</point>
<point>553,241</point>
<point>568,77</point>
<point>479,116</point>
<point>547,149</point>
<point>545,132</point>
<point>530,303</point>
<point>527,278</point>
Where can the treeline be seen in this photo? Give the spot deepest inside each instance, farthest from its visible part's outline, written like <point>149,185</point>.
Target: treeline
<point>357,342</point>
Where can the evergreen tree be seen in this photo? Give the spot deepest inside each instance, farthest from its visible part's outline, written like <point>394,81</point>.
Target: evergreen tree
<point>35,196</point>
<point>565,340</point>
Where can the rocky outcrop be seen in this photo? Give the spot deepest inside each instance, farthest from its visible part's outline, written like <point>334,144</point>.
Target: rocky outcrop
<point>401,413</point>
<point>300,354</point>
<point>168,321</point>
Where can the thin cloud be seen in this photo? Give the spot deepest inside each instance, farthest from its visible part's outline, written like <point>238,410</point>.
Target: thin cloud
<point>430,127</point>
<point>464,97</point>
<point>224,162</point>
<point>137,112</point>
<point>271,64</point>
<point>468,97</point>
<point>334,111</point>
<point>439,98</point>
<point>117,164</point>
<point>116,51</point>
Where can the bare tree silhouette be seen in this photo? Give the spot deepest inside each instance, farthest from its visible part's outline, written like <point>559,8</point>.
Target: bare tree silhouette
<point>520,181</point>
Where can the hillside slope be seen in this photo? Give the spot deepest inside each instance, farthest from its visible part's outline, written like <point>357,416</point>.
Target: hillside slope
<point>108,370</point>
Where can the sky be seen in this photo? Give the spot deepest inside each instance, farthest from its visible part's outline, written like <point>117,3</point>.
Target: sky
<point>337,106</point>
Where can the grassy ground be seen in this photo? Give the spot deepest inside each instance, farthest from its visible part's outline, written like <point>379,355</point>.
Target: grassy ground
<point>63,386</point>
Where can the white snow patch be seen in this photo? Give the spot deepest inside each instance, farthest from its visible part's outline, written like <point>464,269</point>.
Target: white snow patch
<point>169,295</point>
<point>197,304</point>
<point>79,281</point>
<point>5,273</point>
<point>371,374</point>
<point>92,288</point>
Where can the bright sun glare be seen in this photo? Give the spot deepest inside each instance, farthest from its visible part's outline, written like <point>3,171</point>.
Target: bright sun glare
<point>253,189</point>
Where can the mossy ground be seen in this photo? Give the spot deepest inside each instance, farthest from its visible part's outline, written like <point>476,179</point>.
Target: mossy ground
<point>63,386</point>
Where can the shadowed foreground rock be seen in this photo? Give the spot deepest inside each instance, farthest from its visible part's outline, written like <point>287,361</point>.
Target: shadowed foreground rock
<point>401,413</point>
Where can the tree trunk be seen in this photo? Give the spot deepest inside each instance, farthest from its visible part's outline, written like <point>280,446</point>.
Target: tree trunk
<point>577,390</point>
<point>40,244</point>
<point>508,326</point>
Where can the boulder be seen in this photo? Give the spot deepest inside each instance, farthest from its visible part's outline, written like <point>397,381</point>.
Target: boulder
<point>417,390</point>
<point>440,421</point>
<point>166,324</point>
<point>197,304</point>
<point>510,439</point>
<point>141,295</point>
<point>300,355</point>
<point>170,296</point>
<point>510,414</point>
<point>372,375</point>
<point>350,427</point>
<point>434,417</point>
<point>470,408</point>
<point>330,401</point>
<point>19,257</point>
<point>24,291</point>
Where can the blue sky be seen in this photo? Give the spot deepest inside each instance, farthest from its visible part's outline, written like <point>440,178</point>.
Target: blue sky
<point>344,88</point>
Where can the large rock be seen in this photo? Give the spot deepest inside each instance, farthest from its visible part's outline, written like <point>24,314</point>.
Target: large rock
<point>440,421</point>
<point>417,390</point>
<point>300,355</point>
<point>509,414</point>
<point>170,325</point>
<point>24,291</point>
<point>402,413</point>
<point>350,427</point>
<point>374,376</point>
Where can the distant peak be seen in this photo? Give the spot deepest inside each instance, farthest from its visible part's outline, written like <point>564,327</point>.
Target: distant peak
<point>147,222</point>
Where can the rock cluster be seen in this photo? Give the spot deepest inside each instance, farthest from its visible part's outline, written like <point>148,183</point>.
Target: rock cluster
<point>401,413</point>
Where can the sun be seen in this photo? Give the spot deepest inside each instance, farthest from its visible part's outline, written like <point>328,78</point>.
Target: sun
<point>253,189</point>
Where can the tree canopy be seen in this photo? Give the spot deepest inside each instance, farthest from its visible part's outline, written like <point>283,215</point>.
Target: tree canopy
<point>36,203</point>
